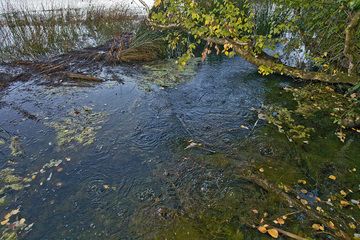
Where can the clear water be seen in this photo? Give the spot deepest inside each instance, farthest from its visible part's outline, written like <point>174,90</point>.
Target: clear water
<point>137,177</point>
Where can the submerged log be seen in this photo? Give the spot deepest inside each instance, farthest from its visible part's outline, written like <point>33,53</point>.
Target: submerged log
<point>264,184</point>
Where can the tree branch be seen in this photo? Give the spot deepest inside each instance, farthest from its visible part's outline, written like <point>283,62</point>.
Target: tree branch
<point>282,69</point>
<point>271,62</point>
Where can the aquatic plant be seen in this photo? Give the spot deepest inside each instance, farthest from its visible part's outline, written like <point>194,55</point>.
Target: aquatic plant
<point>144,45</point>
<point>167,73</point>
<point>31,34</point>
<point>341,109</point>
<point>79,127</point>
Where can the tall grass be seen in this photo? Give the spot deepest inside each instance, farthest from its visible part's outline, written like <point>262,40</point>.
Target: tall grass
<point>29,34</point>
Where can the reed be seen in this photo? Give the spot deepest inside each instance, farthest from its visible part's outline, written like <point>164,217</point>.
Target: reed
<point>30,35</point>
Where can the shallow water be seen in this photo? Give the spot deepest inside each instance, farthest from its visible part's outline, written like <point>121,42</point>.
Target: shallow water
<point>126,174</point>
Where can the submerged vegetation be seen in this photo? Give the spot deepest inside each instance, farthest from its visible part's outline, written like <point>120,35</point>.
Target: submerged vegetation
<point>289,170</point>
<point>79,127</point>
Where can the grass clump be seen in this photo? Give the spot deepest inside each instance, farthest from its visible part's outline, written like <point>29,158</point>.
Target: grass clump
<point>30,34</point>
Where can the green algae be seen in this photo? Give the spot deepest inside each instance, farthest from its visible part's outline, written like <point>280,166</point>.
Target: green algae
<point>168,73</point>
<point>15,146</point>
<point>79,127</point>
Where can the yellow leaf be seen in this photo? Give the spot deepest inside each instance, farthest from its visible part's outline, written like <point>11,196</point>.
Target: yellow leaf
<point>303,201</point>
<point>261,170</point>
<point>344,203</point>
<point>255,211</point>
<point>4,222</point>
<point>332,177</point>
<point>280,221</point>
<point>318,227</point>
<point>106,186</point>
<point>304,191</point>
<point>331,225</point>
<point>302,181</point>
<point>22,221</point>
<point>157,3</point>
<point>262,229</point>
<point>7,216</point>
<point>273,233</point>
<point>14,212</point>
<point>343,193</point>
<point>352,226</point>
<point>319,209</point>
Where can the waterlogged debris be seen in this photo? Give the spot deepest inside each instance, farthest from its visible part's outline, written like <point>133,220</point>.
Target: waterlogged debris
<point>192,144</point>
<point>79,127</point>
<point>15,146</point>
<point>51,164</point>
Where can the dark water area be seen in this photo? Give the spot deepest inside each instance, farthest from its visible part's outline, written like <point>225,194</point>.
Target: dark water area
<point>122,163</point>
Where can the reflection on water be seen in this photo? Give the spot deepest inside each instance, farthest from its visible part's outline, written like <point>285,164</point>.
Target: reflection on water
<point>53,4</point>
<point>135,175</point>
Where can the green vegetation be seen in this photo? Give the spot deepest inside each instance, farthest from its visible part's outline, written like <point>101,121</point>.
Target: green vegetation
<point>31,34</point>
<point>78,128</point>
<point>250,28</point>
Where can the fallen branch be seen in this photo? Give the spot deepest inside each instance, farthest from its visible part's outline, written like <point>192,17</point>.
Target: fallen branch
<point>289,234</point>
<point>264,60</point>
<point>80,76</point>
<point>279,68</point>
<point>293,202</point>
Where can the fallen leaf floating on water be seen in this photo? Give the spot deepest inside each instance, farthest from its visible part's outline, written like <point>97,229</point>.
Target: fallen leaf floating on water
<point>304,191</point>
<point>343,193</point>
<point>262,229</point>
<point>4,222</point>
<point>332,177</point>
<point>344,203</point>
<point>318,227</point>
<point>352,226</point>
<point>273,233</point>
<point>279,221</point>
<point>192,145</point>
<point>261,170</point>
<point>106,186</point>
<point>301,181</point>
<point>255,211</point>
<point>244,127</point>
<point>331,225</point>
<point>319,209</point>
<point>303,201</point>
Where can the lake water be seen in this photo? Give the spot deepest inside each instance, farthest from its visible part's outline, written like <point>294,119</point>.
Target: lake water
<point>44,4</point>
<point>123,160</point>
